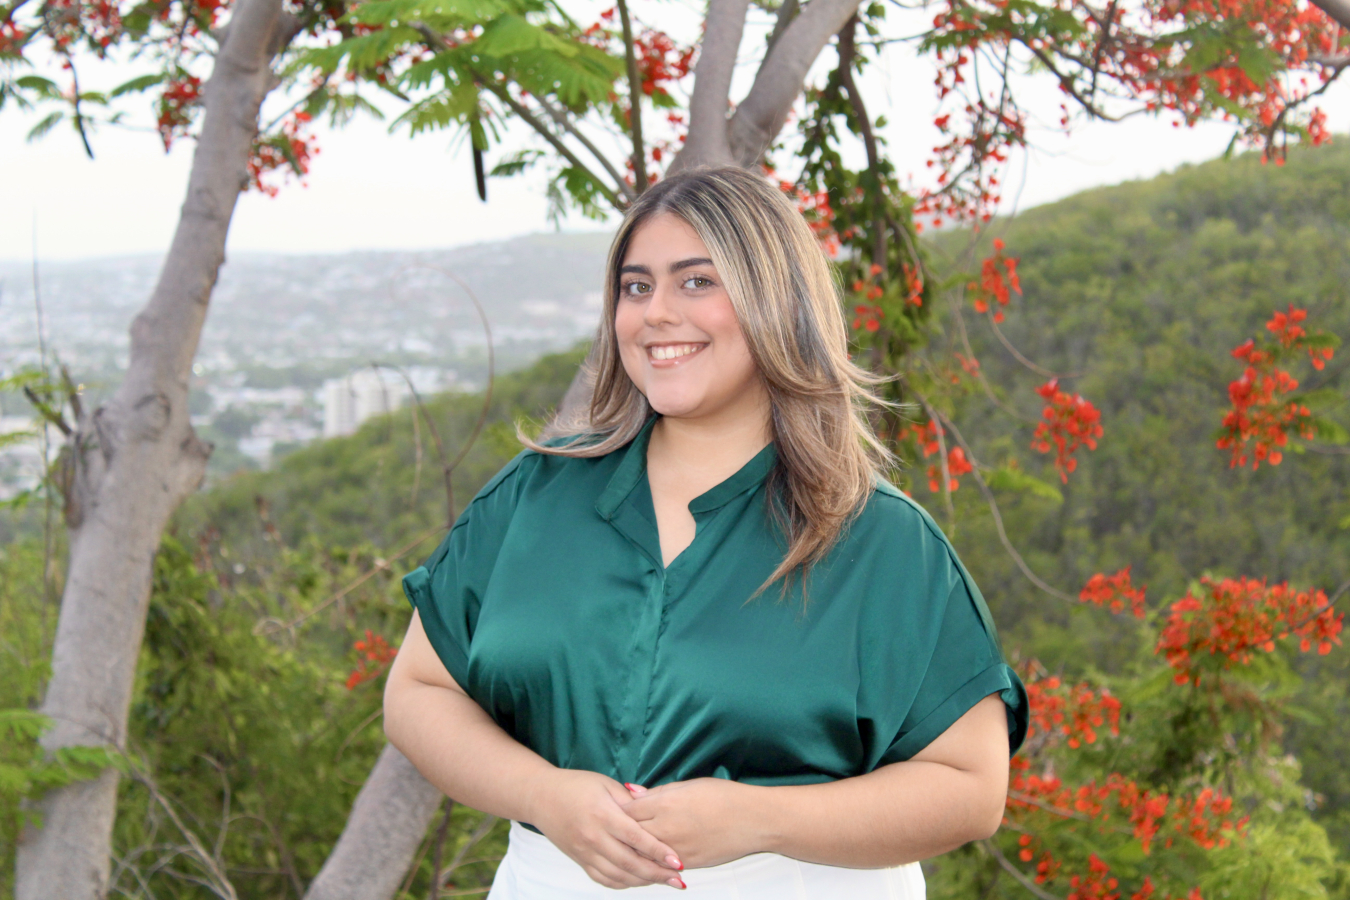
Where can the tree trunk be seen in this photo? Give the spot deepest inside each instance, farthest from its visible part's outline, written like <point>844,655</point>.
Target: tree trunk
<point>132,462</point>
<point>385,828</point>
<point>1338,10</point>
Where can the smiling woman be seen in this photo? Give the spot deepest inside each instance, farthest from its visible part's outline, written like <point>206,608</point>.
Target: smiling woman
<point>593,651</point>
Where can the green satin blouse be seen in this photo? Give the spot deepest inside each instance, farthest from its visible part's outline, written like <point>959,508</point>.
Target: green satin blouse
<point>549,604</point>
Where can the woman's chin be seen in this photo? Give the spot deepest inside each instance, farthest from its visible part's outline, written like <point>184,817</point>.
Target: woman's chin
<point>675,406</point>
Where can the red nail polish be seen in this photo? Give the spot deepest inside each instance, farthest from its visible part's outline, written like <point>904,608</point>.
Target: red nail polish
<point>631,787</point>
<point>683,886</point>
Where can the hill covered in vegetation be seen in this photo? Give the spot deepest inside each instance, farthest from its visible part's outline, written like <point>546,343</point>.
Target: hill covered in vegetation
<point>1135,295</point>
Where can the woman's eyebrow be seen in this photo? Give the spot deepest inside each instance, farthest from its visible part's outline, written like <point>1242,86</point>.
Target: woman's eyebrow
<point>636,269</point>
<point>690,263</point>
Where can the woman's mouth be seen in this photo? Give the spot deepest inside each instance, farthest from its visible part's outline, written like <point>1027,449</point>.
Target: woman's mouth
<point>665,355</point>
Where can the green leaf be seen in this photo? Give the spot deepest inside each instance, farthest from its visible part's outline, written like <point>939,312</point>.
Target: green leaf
<point>41,129</point>
<point>1329,431</point>
<point>136,85</point>
<point>1010,478</point>
<point>1320,399</point>
<point>516,163</point>
<point>22,723</point>
<point>44,86</point>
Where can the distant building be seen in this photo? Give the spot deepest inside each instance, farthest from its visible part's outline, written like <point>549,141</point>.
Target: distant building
<point>347,402</point>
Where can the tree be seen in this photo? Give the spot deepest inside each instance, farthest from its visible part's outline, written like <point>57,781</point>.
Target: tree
<point>128,465</point>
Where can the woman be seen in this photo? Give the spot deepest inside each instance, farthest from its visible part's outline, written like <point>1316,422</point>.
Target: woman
<point>698,640</point>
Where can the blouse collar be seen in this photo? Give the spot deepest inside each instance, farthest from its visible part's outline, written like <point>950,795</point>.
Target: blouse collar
<point>633,468</point>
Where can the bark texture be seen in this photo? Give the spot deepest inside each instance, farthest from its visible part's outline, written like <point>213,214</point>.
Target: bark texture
<point>1339,10</point>
<point>779,81</point>
<point>132,462</point>
<point>385,828</point>
<point>706,143</point>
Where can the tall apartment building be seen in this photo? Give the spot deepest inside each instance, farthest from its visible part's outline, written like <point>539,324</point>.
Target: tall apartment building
<point>347,402</point>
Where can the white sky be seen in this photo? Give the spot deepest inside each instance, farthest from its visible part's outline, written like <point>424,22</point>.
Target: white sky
<point>369,189</point>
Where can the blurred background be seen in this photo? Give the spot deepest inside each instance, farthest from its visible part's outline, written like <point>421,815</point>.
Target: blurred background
<point>1103,253</point>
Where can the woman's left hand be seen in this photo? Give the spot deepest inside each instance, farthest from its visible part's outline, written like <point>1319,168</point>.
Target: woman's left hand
<point>706,820</point>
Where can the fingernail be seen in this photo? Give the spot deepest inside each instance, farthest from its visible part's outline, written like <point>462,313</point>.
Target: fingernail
<point>635,788</point>
<point>676,882</point>
<point>674,862</point>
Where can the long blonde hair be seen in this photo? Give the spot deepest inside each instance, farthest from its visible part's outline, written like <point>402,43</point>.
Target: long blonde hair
<point>786,300</point>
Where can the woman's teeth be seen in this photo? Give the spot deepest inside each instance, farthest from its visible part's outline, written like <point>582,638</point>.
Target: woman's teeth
<point>672,351</point>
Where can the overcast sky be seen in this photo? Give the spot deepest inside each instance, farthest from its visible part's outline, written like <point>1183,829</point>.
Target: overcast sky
<point>369,189</point>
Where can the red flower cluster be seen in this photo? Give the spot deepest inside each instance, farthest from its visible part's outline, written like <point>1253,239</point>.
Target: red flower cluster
<point>819,215</point>
<point>913,276</point>
<point>12,38</point>
<point>868,314</point>
<point>1075,713</point>
<point>180,95</point>
<point>957,465</point>
<point>925,437</point>
<point>1097,884</point>
<point>376,655</point>
<point>868,317</point>
<point>1206,819</point>
<point>1236,616</point>
<point>660,61</point>
<point>1262,415</point>
<point>1070,422</point>
<point>98,22</point>
<point>993,285</point>
<point>1114,591</point>
<point>1293,336</point>
<point>292,149</point>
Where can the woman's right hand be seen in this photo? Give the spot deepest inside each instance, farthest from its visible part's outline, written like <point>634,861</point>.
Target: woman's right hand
<point>581,813</point>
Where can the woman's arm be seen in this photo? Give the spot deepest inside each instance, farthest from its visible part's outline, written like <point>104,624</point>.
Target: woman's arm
<point>458,748</point>
<point>951,792</point>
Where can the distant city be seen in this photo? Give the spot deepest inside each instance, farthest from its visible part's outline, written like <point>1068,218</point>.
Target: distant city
<point>297,348</point>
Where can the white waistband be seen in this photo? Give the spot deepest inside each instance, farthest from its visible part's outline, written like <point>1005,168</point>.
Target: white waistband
<point>534,869</point>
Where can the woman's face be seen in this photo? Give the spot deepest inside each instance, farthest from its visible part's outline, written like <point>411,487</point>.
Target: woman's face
<point>677,332</point>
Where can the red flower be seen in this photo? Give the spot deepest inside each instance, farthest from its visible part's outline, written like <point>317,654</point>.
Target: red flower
<point>1070,422</point>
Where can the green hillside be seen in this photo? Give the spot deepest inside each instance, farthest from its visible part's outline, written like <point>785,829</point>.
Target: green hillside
<point>1139,290</point>
<point>1142,288</point>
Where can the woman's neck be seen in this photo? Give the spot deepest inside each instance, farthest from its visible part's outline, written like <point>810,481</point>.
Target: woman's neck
<point>701,453</point>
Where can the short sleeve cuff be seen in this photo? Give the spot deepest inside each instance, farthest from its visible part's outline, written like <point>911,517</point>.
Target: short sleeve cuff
<point>997,679</point>
<point>417,587</point>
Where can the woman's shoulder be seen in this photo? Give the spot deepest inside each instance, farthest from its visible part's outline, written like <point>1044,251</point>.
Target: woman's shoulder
<point>890,514</point>
<point>533,467</point>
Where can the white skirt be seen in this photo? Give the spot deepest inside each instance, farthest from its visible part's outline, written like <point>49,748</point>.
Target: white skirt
<point>534,869</point>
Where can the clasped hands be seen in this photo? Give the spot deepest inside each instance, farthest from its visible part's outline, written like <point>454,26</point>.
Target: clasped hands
<point>629,836</point>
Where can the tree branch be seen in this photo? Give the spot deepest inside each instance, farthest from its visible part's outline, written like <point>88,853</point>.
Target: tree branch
<point>847,53</point>
<point>1016,873</point>
<point>706,143</point>
<point>634,100</point>
<point>559,116</point>
<point>566,152</point>
<point>998,516</point>
<point>760,116</point>
<point>1338,10</point>
<point>786,13</point>
<point>438,43</point>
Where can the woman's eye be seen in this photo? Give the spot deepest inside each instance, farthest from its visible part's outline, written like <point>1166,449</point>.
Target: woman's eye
<point>698,282</point>
<point>631,288</point>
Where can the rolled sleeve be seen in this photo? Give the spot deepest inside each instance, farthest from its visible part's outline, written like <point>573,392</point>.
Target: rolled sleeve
<point>965,666</point>
<point>447,590</point>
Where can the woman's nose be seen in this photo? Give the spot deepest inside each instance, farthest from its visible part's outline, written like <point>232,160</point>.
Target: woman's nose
<point>661,308</point>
